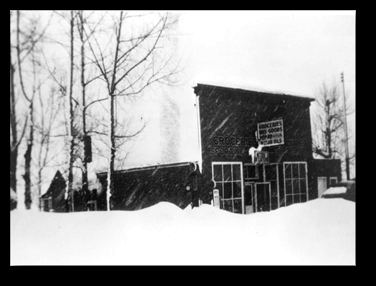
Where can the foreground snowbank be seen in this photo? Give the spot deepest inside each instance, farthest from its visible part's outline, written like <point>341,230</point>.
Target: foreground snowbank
<point>316,232</point>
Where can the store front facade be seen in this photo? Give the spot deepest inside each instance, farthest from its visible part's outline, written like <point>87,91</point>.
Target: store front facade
<point>256,149</point>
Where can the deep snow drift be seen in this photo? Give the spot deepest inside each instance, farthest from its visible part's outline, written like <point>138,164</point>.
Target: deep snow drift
<point>319,232</point>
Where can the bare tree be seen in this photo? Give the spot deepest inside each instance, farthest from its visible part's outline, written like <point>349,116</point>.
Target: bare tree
<point>134,61</point>
<point>328,122</point>
<point>71,111</point>
<point>27,50</point>
<point>85,103</point>
<point>14,139</point>
<point>49,111</point>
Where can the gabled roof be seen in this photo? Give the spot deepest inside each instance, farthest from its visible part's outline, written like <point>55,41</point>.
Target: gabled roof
<point>202,87</point>
<point>58,182</point>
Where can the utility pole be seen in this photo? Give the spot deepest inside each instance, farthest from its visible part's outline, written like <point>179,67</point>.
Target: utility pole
<point>346,135</point>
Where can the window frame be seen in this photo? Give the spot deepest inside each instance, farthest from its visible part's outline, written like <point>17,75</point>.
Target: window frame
<point>330,179</point>
<point>270,195</point>
<point>241,181</point>
<point>276,180</point>
<point>292,181</point>
<point>256,172</point>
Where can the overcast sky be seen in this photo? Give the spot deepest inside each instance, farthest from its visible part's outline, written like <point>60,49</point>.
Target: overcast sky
<point>291,51</point>
<point>279,51</point>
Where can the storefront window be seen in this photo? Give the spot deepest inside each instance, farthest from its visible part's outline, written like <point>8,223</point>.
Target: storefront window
<point>228,178</point>
<point>295,177</point>
<point>251,172</point>
<point>332,181</point>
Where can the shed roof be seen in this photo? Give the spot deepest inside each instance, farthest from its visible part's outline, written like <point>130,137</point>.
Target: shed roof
<point>150,167</point>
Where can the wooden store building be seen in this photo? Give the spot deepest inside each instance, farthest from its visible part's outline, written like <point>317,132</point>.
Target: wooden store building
<point>255,155</point>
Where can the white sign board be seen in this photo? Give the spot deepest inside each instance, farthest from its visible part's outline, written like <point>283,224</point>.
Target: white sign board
<point>271,133</point>
<point>216,198</point>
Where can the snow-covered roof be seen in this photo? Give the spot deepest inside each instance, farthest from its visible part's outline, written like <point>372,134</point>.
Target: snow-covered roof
<point>149,167</point>
<point>335,190</point>
<point>253,90</point>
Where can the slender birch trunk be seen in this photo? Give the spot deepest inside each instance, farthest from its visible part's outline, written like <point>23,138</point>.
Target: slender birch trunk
<point>13,126</point>
<point>83,88</point>
<point>71,116</point>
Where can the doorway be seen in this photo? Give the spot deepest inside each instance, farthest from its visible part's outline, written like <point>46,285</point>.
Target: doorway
<point>262,197</point>
<point>321,185</point>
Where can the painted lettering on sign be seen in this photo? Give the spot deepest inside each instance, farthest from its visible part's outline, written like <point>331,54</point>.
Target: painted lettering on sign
<point>227,151</point>
<point>229,145</point>
<point>231,141</point>
<point>271,133</point>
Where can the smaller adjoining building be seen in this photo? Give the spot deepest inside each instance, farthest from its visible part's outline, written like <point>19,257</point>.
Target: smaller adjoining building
<point>142,187</point>
<point>54,199</point>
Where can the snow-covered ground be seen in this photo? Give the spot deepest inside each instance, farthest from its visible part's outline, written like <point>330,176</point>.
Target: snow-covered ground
<point>319,232</point>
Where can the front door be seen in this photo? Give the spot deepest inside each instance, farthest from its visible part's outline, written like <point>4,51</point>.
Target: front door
<point>321,185</point>
<point>249,198</point>
<point>271,175</point>
<point>262,197</point>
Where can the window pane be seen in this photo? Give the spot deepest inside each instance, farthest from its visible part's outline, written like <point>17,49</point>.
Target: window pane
<point>303,198</point>
<point>238,206</point>
<point>228,205</point>
<point>250,172</point>
<point>303,186</point>
<point>274,203</point>
<point>270,173</point>
<point>220,189</point>
<point>288,171</point>
<point>273,186</point>
<point>227,172</point>
<point>295,170</point>
<point>296,199</point>
<point>237,189</point>
<point>333,181</point>
<point>288,200</point>
<point>302,170</point>
<point>295,186</point>
<point>247,195</point>
<point>288,187</point>
<point>236,173</point>
<point>217,172</point>
<point>227,192</point>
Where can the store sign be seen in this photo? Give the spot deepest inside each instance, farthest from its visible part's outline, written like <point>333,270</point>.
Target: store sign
<point>271,133</point>
<point>230,145</point>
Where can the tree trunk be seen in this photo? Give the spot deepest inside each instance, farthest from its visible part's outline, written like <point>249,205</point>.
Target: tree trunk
<point>71,115</point>
<point>27,156</point>
<point>83,85</point>
<point>110,175</point>
<point>13,128</point>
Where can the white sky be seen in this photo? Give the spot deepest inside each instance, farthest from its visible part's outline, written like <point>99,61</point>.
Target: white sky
<point>285,51</point>
<point>292,51</point>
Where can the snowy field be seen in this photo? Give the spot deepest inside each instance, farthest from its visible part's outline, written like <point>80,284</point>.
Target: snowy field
<point>319,232</point>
